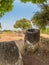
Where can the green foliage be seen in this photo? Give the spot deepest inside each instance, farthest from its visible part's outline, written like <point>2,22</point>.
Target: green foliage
<point>7,31</point>
<point>5,6</point>
<point>23,23</point>
<point>41,19</point>
<point>34,1</point>
<point>46,31</point>
<point>0,25</point>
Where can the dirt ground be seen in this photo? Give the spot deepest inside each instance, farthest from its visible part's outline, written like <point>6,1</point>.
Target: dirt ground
<point>41,57</point>
<point>10,36</point>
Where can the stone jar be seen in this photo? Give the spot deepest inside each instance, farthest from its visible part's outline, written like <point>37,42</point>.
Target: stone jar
<point>10,54</point>
<point>32,37</point>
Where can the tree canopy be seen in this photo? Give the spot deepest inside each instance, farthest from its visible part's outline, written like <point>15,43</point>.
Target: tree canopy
<point>23,24</point>
<point>34,1</point>
<point>5,6</point>
<point>41,19</point>
<point>0,25</point>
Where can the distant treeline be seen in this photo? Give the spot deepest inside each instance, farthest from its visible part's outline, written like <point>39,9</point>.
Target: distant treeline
<point>7,30</point>
<point>11,31</point>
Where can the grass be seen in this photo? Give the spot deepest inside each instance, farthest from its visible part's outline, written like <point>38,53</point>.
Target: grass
<point>46,31</point>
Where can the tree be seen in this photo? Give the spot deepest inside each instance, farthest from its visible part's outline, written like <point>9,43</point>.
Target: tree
<point>34,1</point>
<point>23,24</point>
<point>41,19</point>
<point>5,6</point>
<point>0,27</point>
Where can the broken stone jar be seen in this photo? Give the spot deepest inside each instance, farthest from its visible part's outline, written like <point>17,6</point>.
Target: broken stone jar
<point>32,37</point>
<point>10,54</point>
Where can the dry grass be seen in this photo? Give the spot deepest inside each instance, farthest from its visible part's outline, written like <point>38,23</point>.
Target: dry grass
<point>10,36</point>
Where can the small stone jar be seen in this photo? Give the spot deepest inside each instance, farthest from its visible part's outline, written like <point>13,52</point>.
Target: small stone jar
<point>32,37</point>
<point>10,54</point>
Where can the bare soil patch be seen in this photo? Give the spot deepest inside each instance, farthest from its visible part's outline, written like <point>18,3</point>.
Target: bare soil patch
<point>41,57</point>
<point>11,36</point>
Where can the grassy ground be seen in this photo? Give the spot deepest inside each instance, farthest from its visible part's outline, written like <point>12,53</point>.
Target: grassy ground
<point>40,57</point>
<point>46,31</point>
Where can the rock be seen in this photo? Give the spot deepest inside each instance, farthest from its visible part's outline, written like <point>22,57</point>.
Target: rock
<point>32,37</point>
<point>10,54</point>
<point>30,47</point>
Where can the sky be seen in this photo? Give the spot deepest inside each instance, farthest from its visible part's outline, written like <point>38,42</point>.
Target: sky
<point>20,10</point>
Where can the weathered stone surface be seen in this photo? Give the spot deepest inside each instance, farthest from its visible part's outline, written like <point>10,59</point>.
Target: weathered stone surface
<point>9,54</point>
<point>32,37</point>
<point>30,47</point>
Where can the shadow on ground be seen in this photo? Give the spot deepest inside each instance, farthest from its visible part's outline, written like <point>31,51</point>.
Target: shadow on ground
<point>40,57</point>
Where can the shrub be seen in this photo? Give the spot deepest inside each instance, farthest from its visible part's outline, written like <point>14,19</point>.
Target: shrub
<point>45,31</point>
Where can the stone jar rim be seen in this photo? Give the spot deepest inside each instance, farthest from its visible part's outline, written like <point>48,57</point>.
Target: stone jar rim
<point>32,30</point>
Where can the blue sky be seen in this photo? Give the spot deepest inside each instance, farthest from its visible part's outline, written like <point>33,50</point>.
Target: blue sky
<point>20,10</point>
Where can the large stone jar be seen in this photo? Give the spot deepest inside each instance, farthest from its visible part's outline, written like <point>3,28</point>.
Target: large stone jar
<point>10,54</point>
<point>32,37</point>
